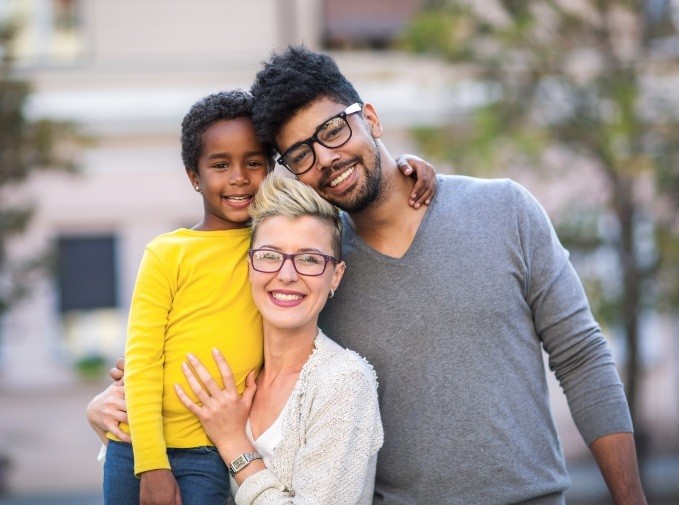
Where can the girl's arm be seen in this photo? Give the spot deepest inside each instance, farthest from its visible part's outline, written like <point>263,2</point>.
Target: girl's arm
<point>425,177</point>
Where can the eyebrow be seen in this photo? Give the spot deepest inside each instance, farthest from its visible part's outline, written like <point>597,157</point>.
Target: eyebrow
<point>301,250</point>
<point>228,155</point>
<point>318,128</point>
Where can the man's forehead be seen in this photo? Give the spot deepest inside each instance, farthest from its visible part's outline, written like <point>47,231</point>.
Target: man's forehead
<point>305,120</point>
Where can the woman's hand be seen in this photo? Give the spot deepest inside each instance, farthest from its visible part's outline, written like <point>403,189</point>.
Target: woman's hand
<point>107,410</point>
<point>223,413</point>
<point>118,372</point>
<point>425,176</point>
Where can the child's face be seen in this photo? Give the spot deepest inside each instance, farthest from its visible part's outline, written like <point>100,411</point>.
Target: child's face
<point>231,166</point>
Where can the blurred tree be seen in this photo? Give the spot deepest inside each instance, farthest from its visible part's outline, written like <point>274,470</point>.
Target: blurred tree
<point>580,82</point>
<point>27,146</point>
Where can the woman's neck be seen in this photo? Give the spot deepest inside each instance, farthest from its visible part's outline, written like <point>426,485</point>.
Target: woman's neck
<point>286,351</point>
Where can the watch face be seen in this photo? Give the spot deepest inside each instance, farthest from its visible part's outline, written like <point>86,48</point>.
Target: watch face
<point>239,462</point>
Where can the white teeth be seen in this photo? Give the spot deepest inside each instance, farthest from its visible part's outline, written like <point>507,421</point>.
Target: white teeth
<point>286,298</point>
<point>341,177</point>
<point>238,198</point>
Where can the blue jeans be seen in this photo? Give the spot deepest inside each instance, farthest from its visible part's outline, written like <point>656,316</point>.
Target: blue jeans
<point>200,472</point>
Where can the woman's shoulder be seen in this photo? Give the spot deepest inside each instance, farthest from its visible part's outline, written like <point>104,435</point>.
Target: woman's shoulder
<point>334,363</point>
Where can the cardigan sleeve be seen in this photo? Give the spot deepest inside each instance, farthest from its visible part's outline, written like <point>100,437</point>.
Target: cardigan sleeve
<point>337,459</point>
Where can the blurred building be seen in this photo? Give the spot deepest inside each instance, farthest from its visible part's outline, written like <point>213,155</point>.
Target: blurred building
<point>127,71</point>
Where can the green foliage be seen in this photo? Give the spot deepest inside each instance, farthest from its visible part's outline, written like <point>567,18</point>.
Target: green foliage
<point>91,366</point>
<point>437,30</point>
<point>27,146</point>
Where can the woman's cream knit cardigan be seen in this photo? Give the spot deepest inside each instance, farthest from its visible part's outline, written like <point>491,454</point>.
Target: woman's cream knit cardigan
<point>331,434</point>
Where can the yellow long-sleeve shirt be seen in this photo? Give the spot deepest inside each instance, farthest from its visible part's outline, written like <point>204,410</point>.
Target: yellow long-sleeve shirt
<point>192,294</point>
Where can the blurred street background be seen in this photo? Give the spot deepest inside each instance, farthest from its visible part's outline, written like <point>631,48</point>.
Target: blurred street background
<point>574,99</point>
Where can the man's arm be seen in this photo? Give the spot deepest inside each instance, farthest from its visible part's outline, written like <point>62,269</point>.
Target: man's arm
<point>578,353</point>
<point>617,459</point>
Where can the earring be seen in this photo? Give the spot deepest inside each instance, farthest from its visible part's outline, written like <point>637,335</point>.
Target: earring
<point>332,293</point>
<point>198,188</point>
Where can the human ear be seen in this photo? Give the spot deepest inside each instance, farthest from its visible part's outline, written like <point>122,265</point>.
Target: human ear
<point>337,275</point>
<point>193,177</point>
<point>372,120</point>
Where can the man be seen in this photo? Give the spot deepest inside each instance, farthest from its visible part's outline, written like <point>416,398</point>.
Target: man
<point>452,304</point>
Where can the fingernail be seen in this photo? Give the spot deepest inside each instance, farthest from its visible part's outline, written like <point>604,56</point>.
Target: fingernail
<point>191,357</point>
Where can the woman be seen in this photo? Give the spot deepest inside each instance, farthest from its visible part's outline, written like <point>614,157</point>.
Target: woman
<point>311,413</point>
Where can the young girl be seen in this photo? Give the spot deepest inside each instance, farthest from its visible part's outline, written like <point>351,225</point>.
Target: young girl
<point>192,294</point>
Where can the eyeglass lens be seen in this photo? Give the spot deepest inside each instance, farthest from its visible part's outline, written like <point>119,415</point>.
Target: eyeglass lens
<point>304,263</point>
<point>334,133</point>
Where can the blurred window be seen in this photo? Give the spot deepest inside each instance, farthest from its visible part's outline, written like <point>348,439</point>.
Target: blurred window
<point>662,24</point>
<point>373,24</point>
<point>87,273</point>
<point>52,31</point>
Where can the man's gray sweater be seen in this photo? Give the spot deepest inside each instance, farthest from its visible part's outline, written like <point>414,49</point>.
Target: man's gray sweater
<point>455,330</point>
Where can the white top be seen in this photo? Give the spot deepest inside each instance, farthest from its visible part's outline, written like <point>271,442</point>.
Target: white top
<point>265,443</point>
<point>330,434</point>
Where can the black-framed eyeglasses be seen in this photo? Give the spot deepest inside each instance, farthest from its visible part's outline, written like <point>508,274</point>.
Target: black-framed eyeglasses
<point>333,133</point>
<point>305,263</point>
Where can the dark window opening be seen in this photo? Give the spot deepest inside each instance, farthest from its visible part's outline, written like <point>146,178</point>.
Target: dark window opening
<point>87,273</point>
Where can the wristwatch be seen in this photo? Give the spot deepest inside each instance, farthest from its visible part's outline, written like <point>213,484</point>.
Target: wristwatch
<point>241,462</point>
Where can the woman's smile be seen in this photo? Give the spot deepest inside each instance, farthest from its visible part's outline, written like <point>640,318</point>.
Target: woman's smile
<point>284,298</point>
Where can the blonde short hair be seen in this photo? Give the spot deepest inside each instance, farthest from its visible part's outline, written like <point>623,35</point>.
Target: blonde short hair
<point>287,197</point>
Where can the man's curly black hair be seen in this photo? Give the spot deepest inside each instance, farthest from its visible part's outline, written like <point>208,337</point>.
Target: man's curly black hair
<point>292,80</point>
<point>207,111</point>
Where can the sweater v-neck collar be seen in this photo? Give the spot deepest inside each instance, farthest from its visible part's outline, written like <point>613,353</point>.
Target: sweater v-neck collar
<point>351,235</point>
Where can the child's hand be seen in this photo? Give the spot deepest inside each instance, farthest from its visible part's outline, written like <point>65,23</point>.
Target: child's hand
<point>425,176</point>
<point>159,487</point>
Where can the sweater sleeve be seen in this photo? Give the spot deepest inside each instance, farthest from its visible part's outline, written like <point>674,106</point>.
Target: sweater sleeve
<point>151,303</point>
<point>578,352</point>
<point>338,456</point>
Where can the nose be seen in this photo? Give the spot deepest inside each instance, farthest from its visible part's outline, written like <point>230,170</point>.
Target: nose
<point>287,272</point>
<point>325,156</point>
<point>238,175</point>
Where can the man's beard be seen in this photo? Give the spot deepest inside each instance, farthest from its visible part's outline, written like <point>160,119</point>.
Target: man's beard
<point>365,196</point>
